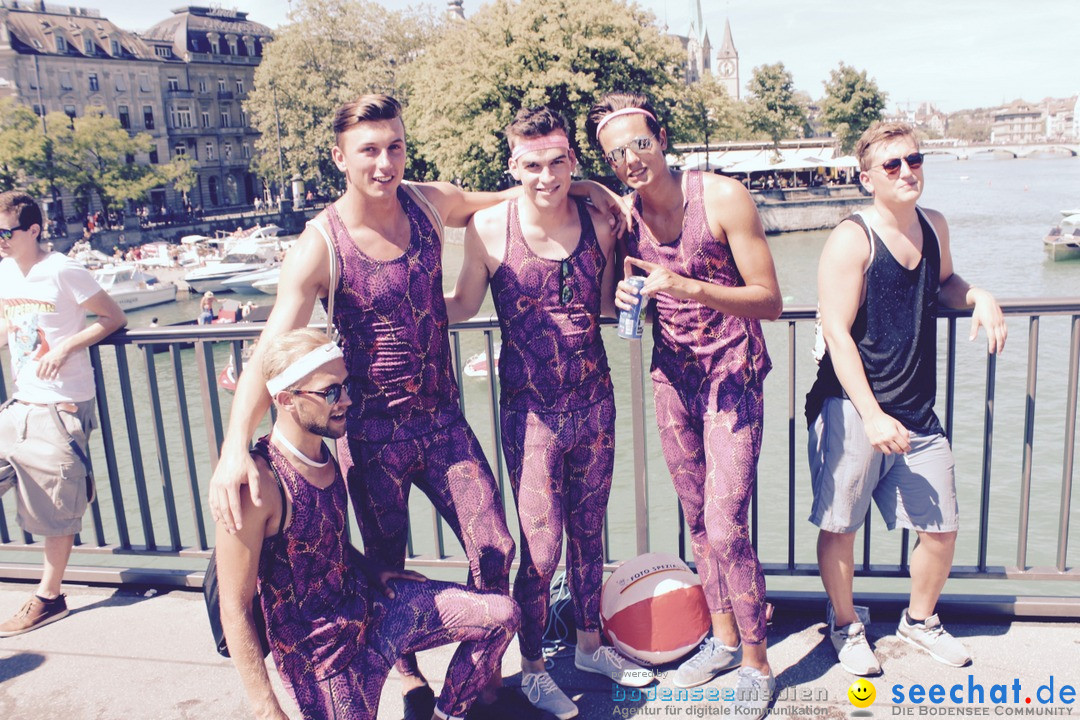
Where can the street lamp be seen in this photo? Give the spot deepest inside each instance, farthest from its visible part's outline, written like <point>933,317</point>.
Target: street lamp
<point>280,162</point>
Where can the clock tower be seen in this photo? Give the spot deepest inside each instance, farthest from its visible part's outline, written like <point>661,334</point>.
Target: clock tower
<point>727,63</point>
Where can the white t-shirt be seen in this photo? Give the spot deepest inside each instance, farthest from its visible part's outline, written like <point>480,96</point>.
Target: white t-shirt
<point>42,309</point>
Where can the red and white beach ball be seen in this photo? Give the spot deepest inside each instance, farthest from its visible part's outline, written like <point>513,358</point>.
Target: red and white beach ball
<point>653,609</point>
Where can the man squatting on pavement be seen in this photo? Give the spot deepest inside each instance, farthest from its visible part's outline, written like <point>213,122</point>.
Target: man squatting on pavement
<point>873,431</point>
<point>335,627</point>
<point>405,426</point>
<point>549,260</point>
<point>699,239</point>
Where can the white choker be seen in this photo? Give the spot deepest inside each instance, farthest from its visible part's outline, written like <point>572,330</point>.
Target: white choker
<point>280,437</point>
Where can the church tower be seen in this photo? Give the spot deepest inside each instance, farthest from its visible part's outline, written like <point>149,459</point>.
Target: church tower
<point>698,46</point>
<point>727,63</point>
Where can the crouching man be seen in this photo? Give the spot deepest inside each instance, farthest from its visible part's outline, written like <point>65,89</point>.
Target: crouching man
<point>335,626</point>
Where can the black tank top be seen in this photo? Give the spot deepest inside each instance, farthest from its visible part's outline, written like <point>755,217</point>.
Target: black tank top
<point>895,331</point>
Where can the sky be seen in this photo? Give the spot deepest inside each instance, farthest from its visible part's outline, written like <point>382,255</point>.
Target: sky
<point>956,54</point>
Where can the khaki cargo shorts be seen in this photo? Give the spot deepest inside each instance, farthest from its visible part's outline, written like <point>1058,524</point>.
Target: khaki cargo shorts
<point>53,485</point>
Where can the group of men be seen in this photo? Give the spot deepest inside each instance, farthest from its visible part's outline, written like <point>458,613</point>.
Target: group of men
<point>339,620</point>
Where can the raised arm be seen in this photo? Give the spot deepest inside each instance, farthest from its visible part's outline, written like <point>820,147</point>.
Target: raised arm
<point>304,277</point>
<point>110,318</point>
<point>840,293</point>
<point>955,292</point>
<point>472,283</point>
<point>457,206</point>
<point>238,567</point>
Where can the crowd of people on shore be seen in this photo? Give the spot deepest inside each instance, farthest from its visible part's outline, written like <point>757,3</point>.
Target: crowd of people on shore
<point>556,255</point>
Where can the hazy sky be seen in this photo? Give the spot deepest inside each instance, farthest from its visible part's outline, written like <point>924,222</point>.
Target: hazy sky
<point>954,53</point>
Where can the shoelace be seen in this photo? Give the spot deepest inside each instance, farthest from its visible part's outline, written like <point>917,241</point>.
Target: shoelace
<point>708,649</point>
<point>613,657</point>
<point>541,683</point>
<point>752,685</point>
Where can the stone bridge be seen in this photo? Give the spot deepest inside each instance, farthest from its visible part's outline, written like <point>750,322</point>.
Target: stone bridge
<point>963,152</point>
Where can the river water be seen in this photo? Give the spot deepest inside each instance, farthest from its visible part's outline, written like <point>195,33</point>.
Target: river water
<point>998,212</point>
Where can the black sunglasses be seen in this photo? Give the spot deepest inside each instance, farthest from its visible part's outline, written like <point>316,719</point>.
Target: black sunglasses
<point>566,293</point>
<point>331,393</point>
<point>617,156</point>
<point>6,233</point>
<point>892,165</point>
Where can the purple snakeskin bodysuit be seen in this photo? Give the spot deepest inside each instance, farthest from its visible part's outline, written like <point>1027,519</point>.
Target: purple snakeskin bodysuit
<point>558,419</point>
<point>708,368</point>
<point>334,638</point>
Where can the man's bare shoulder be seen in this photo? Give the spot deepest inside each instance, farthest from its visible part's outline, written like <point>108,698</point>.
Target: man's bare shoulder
<point>936,218</point>
<point>490,223</point>
<point>722,188</point>
<point>847,244</point>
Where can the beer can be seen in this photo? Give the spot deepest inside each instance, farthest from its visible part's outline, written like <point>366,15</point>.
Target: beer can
<point>631,321</point>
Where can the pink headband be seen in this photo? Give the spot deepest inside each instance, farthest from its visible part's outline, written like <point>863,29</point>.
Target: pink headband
<point>624,111</point>
<point>554,140</point>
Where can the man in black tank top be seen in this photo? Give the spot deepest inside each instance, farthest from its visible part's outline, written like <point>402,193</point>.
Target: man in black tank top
<point>873,431</point>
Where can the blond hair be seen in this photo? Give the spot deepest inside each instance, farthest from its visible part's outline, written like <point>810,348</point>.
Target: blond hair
<point>287,348</point>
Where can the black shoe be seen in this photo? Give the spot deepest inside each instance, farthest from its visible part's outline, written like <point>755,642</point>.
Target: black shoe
<point>510,704</point>
<point>419,703</point>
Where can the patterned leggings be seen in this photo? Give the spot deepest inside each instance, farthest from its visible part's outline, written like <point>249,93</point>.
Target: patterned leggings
<point>560,467</point>
<point>712,456</point>
<point>421,616</point>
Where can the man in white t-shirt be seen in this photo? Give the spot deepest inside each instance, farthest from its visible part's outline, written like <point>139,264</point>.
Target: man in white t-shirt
<point>45,297</point>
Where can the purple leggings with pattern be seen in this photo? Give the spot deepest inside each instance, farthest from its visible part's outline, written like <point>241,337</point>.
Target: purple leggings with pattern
<point>421,616</point>
<point>712,456</point>
<point>560,467</point>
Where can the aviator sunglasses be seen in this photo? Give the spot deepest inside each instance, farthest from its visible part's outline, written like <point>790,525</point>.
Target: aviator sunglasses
<point>331,393</point>
<point>7,233</point>
<point>617,156</point>
<point>892,165</point>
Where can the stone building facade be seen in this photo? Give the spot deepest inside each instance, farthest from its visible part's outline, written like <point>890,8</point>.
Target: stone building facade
<point>182,82</point>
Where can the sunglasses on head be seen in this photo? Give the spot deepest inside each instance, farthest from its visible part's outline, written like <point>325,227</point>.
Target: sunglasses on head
<point>566,293</point>
<point>6,233</point>
<point>331,393</point>
<point>617,156</point>
<point>892,165</point>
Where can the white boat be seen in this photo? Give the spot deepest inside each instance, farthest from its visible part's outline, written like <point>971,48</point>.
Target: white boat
<point>269,283</point>
<point>1063,242</point>
<point>245,282</point>
<point>243,256</point>
<point>133,289</point>
<point>478,366</point>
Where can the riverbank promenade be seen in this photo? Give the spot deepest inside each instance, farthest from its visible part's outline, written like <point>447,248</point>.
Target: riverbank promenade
<point>146,653</point>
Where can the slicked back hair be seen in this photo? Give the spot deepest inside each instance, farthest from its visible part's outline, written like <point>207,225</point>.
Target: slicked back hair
<point>366,108</point>
<point>619,101</point>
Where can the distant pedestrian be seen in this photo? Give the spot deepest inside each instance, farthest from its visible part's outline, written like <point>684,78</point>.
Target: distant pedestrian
<point>153,322</point>
<point>206,308</point>
<point>44,427</point>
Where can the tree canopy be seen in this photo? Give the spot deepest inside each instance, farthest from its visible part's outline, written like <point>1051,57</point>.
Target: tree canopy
<point>852,103</point>
<point>469,84</point>
<point>773,108</point>
<point>705,113</point>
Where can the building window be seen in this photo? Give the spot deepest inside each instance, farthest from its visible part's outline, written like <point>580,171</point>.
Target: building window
<point>129,159</point>
<point>174,83</point>
<point>221,84</point>
<point>205,118</point>
<point>148,117</point>
<point>92,78</point>
<point>180,150</point>
<point>202,86</point>
<point>227,151</point>
<point>163,51</point>
<point>115,45</point>
<point>245,151</point>
<point>232,47</point>
<point>153,157</point>
<point>144,82</point>
<point>183,117</point>
<point>61,45</point>
<point>38,110</point>
<point>69,110</point>
<point>226,119</point>
<point>240,86</point>
<point>121,83</point>
<point>65,81</point>
<point>125,118</point>
<point>88,46</point>
<point>243,118</point>
<point>209,151</point>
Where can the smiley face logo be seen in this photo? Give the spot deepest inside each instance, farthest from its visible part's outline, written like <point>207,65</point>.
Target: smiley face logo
<point>862,693</point>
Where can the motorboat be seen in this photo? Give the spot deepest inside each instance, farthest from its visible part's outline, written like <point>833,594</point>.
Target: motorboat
<point>132,288</point>
<point>269,283</point>
<point>245,282</point>
<point>478,366</point>
<point>1063,242</point>
<point>241,257</point>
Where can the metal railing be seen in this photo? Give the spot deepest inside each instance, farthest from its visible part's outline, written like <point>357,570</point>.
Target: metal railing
<point>162,416</point>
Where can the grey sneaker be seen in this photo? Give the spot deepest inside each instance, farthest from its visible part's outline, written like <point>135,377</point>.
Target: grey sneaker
<point>753,693</point>
<point>608,662</point>
<point>856,655</point>
<point>543,693</point>
<point>930,635</point>
<point>862,614</point>
<point>711,659</point>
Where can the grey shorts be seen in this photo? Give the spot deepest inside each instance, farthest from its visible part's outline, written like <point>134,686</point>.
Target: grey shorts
<point>915,490</point>
<point>52,483</point>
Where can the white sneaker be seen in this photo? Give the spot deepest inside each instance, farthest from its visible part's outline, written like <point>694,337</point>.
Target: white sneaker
<point>543,693</point>
<point>608,662</point>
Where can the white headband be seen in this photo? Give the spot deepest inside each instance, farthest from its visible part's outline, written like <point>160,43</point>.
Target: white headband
<point>619,113</point>
<point>302,367</point>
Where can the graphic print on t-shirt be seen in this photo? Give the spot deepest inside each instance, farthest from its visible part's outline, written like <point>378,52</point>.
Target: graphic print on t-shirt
<point>25,336</point>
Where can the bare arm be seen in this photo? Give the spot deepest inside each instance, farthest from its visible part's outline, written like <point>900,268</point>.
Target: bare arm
<point>955,292</point>
<point>110,318</point>
<point>238,567</point>
<point>606,237</point>
<point>472,283</point>
<point>304,277</point>
<point>840,293</point>
<point>457,206</point>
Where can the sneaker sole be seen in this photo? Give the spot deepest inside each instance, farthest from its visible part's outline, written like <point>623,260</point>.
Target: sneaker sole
<point>929,652</point>
<point>712,677</point>
<point>868,673</point>
<point>43,623</point>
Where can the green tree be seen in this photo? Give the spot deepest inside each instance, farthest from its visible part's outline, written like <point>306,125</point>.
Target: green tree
<point>852,103</point>
<point>511,54</point>
<point>773,108</point>
<point>706,114</point>
<point>22,146</point>
<point>331,52</point>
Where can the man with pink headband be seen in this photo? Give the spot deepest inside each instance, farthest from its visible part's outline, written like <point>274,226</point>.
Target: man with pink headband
<point>698,239</point>
<point>549,261</point>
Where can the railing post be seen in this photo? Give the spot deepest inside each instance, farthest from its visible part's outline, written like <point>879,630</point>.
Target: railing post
<point>988,447</point>
<point>1029,442</point>
<point>641,472</point>
<point>1070,443</point>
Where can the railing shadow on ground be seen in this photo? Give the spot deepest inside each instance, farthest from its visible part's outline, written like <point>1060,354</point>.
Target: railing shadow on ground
<point>162,415</point>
